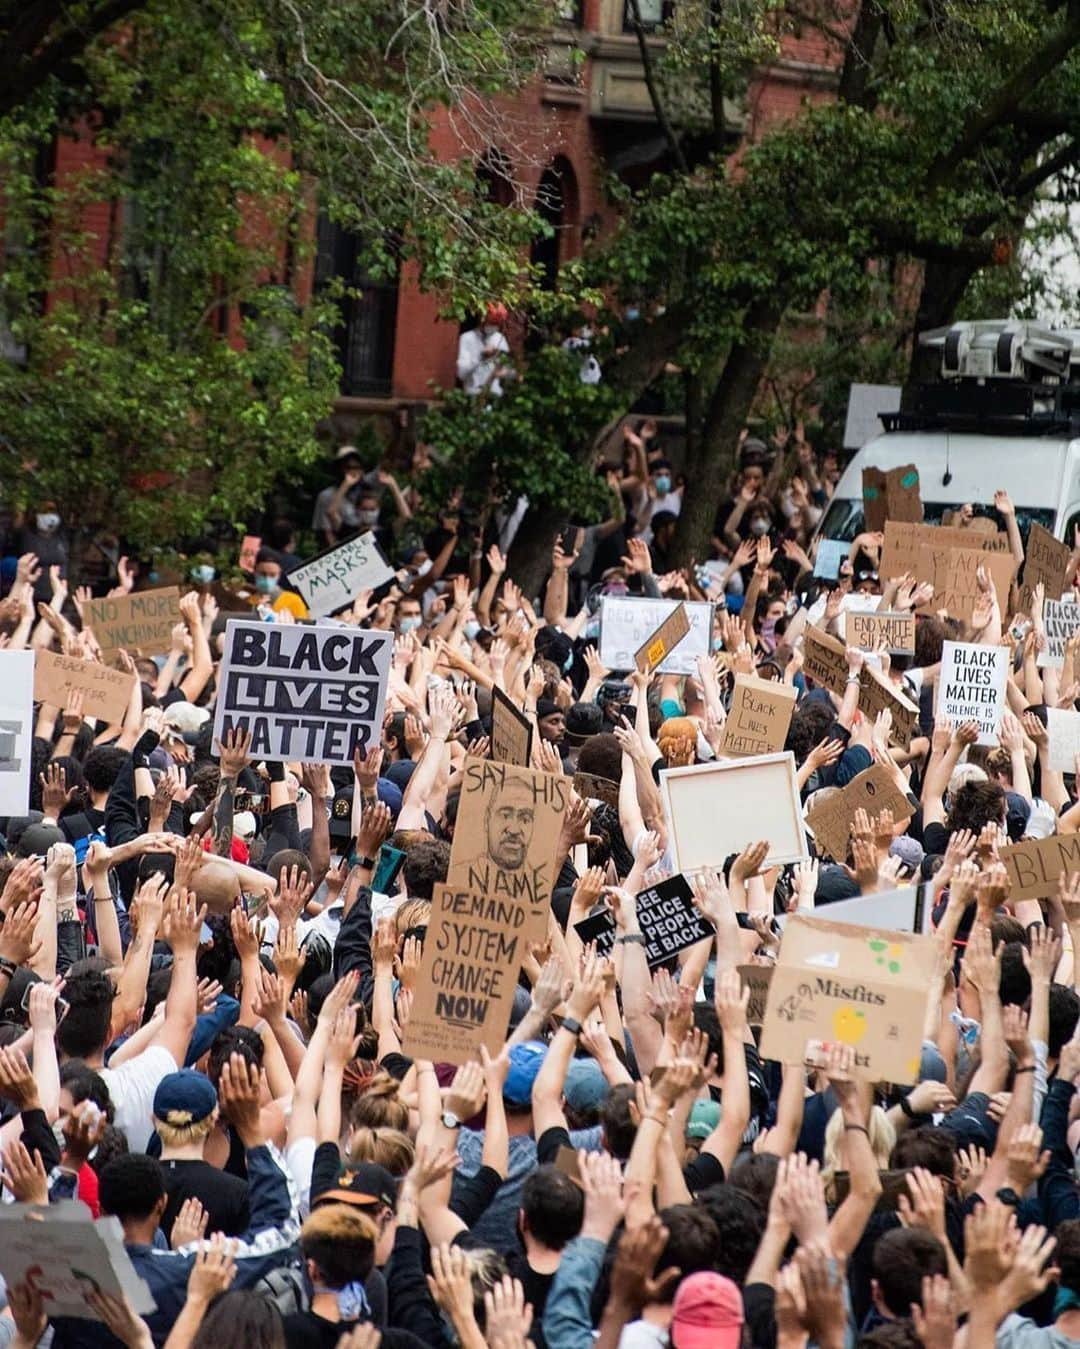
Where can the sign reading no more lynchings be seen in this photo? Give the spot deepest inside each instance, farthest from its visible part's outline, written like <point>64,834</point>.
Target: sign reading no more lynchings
<point>307,694</point>
<point>142,621</point>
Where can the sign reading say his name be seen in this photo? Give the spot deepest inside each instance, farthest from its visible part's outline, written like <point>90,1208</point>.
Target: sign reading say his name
<point>824,660</point>
<point>667,918</point>
<point>507,832</point>
<point>334,579</point>
<point>971,687</point>
<point>313,694</point>
<point>473,953</point>
<point>141,621</point>
<point>1061,618</point>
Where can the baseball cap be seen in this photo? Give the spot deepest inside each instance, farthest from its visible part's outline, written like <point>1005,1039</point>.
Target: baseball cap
<point>704,1117</point>
<point>186,717</point>
<point>184,1098</point>
<point>707,1313</point>
<point>910,852</point>
<point>585,1087</point>
<point>525,1061</point>
<point>367,1183</point>
<point>582,721</point>
<point>36,839</point>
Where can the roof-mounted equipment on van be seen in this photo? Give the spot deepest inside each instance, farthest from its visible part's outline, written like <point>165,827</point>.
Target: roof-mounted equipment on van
<point>1001,349</point>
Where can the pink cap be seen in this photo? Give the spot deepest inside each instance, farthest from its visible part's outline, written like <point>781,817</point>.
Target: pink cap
<point>707,1313</point>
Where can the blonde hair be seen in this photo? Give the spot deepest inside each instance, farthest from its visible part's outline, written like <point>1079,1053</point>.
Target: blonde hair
<point>385,1147</point>
<point>180,1135</point>
<point>413,913</point>
<point>379,1105</point>
<point>882,1136</point>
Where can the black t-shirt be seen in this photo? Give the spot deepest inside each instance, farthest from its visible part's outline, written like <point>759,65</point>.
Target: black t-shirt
<point>224,1197</point>
<point>935,838</point>
<point>305,1330</point>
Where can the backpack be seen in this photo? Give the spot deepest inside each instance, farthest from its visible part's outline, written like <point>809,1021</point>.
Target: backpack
<point>286,1288</point>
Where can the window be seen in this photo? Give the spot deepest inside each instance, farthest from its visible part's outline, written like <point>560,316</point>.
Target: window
<point>365,335</point>
<point>844,518</point>
<point>569,12</point>
<point>653,14</point>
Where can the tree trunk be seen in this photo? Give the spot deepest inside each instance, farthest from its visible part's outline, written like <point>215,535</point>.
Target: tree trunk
<point>530,553</point>
<point>710,455</point>
<point>943,286</point>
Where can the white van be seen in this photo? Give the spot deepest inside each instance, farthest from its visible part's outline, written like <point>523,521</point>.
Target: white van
<point>1005,415</point>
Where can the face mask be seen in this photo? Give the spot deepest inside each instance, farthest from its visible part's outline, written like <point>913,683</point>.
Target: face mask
<point>568,663</point>
<point>592,628</point>
<point>663,484</point>
<point>768,631</point>
<point>409,623</point>
<point>265,585</point>
<point>48,522</point>
<point>471,629</point>
<point>367,518</point>
<point>759,528</point>
<point>203,574</point>
<point>422,568</point>
<point>718,643</point>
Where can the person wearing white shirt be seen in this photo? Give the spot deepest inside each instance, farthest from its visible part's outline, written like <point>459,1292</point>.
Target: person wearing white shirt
<point>478,365</point>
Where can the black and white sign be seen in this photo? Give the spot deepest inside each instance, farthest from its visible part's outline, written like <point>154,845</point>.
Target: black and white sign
<point>334,579</point>
<point>16,730</point>
<point>1061,619</point>
<point>971,686</point>
<point>307,694</point>
<point>626,621</point>
<point>667,918</point>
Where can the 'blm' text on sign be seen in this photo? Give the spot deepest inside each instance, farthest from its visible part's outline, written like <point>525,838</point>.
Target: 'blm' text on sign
<point>312,694</point>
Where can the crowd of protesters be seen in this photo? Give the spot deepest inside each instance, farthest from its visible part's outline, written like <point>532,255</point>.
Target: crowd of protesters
<point>203,998</point>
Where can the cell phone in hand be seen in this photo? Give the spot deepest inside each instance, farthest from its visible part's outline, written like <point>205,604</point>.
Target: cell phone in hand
<point>62,1004</point>
<point>388,864</point>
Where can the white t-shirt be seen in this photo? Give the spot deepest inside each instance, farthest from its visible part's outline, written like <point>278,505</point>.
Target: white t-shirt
<point>474,369</point>
<point>132,1087</point>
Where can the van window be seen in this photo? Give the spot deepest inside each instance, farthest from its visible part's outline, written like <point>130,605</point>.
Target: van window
<point>844,519</point>
<point>1071,527</point>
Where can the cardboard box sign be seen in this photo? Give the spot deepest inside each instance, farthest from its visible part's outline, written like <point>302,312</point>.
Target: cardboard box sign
<point>760,715</point>
<point>591,787</point>
<point>717,809</point>
<point>908,547</point>
<point>668,919</point>
<point>627,622</point>
<point>142,621</point>
<point>868,630</point>
<point>333,579</point>
<point>758,979</point>
<point>956,587</point>
<point>872,790</point>
<point>1061,619</point>
<point>1036,865</point>
<point>866,987</point>
<point>106,692</point>
<point>907,910</point>
<point>511,731</point>
<point>890,495</point>
<point>1046,559</point>
<point>971,687</point>
<point>825,661</point>
<point>656,648</point>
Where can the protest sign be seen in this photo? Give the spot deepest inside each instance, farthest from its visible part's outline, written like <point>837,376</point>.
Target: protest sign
<point>16,730</point>
<point>890,495</point>
<point>313,694</point>
<point>908,547</point>
<point>106,692</point>
<point>249,551</point>
<point>626,622</point>
<point>971,686</point>
<point>142,621</point>
<point>878,694</point>
<point>1061,618</point>
<point>866,987</point>
<point>333,579</point>
<point>857,602</point>
<point>828,557</point>
<point>590,787</point>
<point>507,832</point>
<point>956,586</point>
<point>1046,559</point>
<point>824,659</point>
<point>511,731</point>
<point>473,953</point>
<point>717,809</point>
<point>906,910</point>
<point>868,631</point>
<point>831,818</point>
<point>1036,864</point>
<point>757,979</point>
<point>1063,730</point>
<point>760,715</point>
<point>656,648</point>
<point>68,1257</point>
<point>667,917</point>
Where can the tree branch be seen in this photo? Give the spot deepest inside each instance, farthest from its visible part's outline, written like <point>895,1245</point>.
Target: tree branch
<point>654,93</point>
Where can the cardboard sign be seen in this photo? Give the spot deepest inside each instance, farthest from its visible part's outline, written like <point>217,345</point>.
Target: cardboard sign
<point>862,986</point>
<point>67,1255</point>
<point>716,809</point>
<point>511,731</point>
<point>507,832</point>
<point>667,918</point>
<point>1035,865</point>
<point>333,579</point>
<point>759,718</point>
<point>655,649</point>
<point>757,978</point>
<point>627,621</point>
<point>971,686</point>
<point>830,554</point>
<point>907,547</point>
<point>473,953</point>
<point>312,694</point>
<point>1061,618</point>
<point>589,786</point>
<point>907,910</point>
<point>1063,729</point>
<point>879,694</point>
<point>896,630</point>
<point>249,551</point>
<point>16,730</point>
<point>106,692</point>
<point>956,587</point>
<point>872,790</point>
<point>824,659</point>
<point>1046,559</point>
<point>142,621</point>
<point>890,495</point>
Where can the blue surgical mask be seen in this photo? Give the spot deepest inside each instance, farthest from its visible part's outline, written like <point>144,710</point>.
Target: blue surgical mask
<point>718,643</point>
<point>471,629</point>
<point>663,484</point>
<point>759,527</point>
<point>592,628</point>
<point>409,623</point>
<point>568,663</point>
<point>203,574</point>
<point>266,585</point>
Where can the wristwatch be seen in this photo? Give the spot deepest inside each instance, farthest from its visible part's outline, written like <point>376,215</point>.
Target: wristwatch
<point>450,1120</point>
